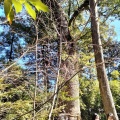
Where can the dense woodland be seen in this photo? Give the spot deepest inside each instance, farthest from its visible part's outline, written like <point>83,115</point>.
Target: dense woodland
<point>59,60</point>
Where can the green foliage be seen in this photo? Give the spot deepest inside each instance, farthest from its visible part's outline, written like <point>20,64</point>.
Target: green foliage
<point>115,74</point>
<point>90,98</point>
<point>16,109</point>
<point>91,101</point>
<point>115,88</point>
<point>17,94</point>
<point>14,99</point>
<point>30,6</point>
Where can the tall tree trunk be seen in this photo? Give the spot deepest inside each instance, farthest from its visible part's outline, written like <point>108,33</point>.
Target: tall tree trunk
<point>72,107</point>
<point>99,60</point>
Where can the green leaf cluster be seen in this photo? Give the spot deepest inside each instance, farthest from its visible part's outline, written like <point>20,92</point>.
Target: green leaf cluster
<point>12,6</point>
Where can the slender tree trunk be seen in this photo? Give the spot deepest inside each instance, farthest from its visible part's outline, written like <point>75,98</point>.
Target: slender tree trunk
<point>72,108</point>
<point>99,60</point>
<point>36,73</point>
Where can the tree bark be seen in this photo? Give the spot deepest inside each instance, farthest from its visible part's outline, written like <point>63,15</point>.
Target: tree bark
<point>106,94</point>
<point>73,105</point>
<point>72,108</point>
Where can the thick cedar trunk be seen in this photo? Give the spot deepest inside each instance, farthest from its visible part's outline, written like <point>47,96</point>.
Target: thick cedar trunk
<point>100,65</point>
<point>72,107</point>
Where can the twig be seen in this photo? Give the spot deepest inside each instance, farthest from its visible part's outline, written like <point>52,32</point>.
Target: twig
<point>14,62</point>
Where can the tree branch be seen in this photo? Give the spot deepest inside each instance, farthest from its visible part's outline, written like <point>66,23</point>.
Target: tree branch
<point>82,7</point>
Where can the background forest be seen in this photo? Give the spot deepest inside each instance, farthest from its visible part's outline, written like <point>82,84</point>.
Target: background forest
<point>48,67</point>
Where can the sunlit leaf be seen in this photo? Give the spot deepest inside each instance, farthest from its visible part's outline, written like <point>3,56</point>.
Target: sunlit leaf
<point>7,6</point>
<point>9,13</point>
<point>17,5</point>
<point>39,5</point>
<point>10,16</point>
<point>22,1</point>
<point>30,11</point>
<point>33,0</point>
